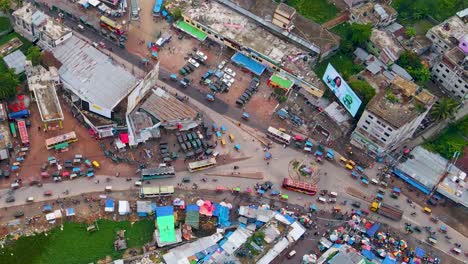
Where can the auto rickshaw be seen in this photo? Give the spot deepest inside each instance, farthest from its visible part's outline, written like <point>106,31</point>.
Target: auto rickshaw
<point>427,210</point>
<point>237,147</point>
<point>30,199</point>
<point>96,164</point>
<point>231,137</point>
<point>88,163</point>
<point>108,188</point>
<point>48,193</point>
<point>344,160</point>
<point>352,163</point>
<point>349,167</point>
<point>245,116</point>
<point>223,142</point>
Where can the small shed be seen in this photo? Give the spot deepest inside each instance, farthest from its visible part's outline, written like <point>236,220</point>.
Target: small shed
<point>109,206</point>
<point>16,60</point>
<point>124,208</point>
<point>144,208</point>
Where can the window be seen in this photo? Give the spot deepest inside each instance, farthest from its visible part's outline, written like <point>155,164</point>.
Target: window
<point>371,117</point>
<point>443,75</point>
<point>383,125</point>
<point>390,129</point>
<point>367,122</point>
<point>365,127</point>
<point>378,122</point>
<point>386,134</point>
<point>383,139</point>
<point>446,70</point>
<point>440,80</point>
<point>432,37</point>
<point>456,86</point>
<point>440,65</point>
<point>437,70</point>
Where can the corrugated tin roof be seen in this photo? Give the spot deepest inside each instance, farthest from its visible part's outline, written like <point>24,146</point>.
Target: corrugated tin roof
<point>91,74</point>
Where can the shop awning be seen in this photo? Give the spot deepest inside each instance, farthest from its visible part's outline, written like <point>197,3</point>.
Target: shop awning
<point>281,82</point>
<point>248,63</point>
<point>124,138</point>
<point>61,146</point>
<point>191,30</point>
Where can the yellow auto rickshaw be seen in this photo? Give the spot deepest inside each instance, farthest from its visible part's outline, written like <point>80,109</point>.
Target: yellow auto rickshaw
<point>223,142</point>
<point>231,137</point>
<point>352,163</point>
<point>282,129</point>
<point>96,164</point>
<point>427,210</point>
<point>349,167</point>
<point>344,160</point>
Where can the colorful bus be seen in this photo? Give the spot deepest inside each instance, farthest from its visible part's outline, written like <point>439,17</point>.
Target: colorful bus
<point>13,129</point>
<point>158,4</point>
<point>298,186</point>
<point>279,136</point>
<point>23,131</point>
<point>64,139</point>
<point>151,192</point>
<point>157,173</point>
<point>111,26</point>
<point>202,165</point>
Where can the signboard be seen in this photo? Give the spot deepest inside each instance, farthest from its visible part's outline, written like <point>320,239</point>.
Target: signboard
<point>341,89</point>
<point>100,110</point>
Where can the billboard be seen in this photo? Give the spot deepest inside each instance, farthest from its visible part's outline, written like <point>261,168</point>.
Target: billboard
<point>341,89</point>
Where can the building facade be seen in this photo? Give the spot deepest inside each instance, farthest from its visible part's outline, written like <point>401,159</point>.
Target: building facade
<point>37,26</point>
<point>392,118</point>
<point>379,15</point>
<point>451,72</point>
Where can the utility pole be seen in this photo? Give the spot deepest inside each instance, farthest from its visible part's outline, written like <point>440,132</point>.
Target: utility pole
<point>446,172</point>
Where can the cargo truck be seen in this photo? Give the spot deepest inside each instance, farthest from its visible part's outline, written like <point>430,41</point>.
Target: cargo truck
<point>387,210</point>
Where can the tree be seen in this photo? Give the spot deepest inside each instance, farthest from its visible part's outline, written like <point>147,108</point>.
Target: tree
<point>421,75</point>
<point>34,55</point>
<point>444,108</point>
<point>5,6</point>
<point>177,14</point>
<point>410,32</point>
<point>359,34</point>
<point>8,83</point>
<point>411,62</point>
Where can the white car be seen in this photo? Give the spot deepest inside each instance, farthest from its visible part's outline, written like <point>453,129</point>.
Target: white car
<point>194,62</point>
<point>229,77</point>
<point>221,65</point>
<point>227,82</point>
<point>202,55</point>
<point>230,72</point>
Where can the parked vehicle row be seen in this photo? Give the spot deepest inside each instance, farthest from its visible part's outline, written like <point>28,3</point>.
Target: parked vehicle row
<point>253,88</point>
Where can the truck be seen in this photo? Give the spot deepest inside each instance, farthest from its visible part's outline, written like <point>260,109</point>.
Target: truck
<point>298,186</point>
<point>386,210</point>
<point>18,115</point>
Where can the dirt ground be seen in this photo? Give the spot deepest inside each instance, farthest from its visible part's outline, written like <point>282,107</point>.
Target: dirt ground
<point>87,146</point>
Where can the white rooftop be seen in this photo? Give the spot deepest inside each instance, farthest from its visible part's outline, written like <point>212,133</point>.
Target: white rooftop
<point>91,74</point>
<point>16,60</point>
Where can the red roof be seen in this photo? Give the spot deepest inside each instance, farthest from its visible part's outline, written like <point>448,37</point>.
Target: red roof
<point>124,138</point>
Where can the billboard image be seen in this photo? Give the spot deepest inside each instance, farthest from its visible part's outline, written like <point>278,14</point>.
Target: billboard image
<point>341,89</point>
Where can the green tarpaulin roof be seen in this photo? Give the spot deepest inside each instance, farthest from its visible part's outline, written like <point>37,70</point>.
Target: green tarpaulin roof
<point>189,29</point>
<point>61,146</point>
<point>166,228</point>
<point>281,82</point>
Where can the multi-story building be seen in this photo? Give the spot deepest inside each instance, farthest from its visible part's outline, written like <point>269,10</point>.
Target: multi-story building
<point>284,16</point>
<point>37,26</point>
<point>392,116</point>
<point>451,70</point>
<point>447,34</point>
<point>379,15</point>
<point>384,46</point>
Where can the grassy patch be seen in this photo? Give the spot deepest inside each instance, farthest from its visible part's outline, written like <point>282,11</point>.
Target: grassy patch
<point>341,30</point>
<point>452,139</point>
<point>75,245</point>
<point>343,63</point>
<point>319,11</point>
<point>4,24</point>
<point>411,11</point>
<point>26,44</point>
<point>422,26</point>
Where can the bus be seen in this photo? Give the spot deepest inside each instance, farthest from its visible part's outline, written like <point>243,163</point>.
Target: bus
<point>111,26</point>
<point>298,186</point>
<point>157,7</point>
<point>151,192</point>
<point>279,136</point>
<point>202,165</point>
<point>58,140</point>
<point>23,132</point>
<point>157,173</point>
<point>13,129</point>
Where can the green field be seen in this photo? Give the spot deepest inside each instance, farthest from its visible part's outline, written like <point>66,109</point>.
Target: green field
<point>4,24</point>
<point>319,11</point>
<point>343,63</point>
<point>411,11</point>
<point>75,245</point>
<point>453,138</point>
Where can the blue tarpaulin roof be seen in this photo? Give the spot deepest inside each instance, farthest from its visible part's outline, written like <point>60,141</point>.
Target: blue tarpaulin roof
<point>164,211</point>
<point>309,144</point>
<point>192,207</point>
<point>267,155</point>
<point>47,207</point>
<point>289,218</point>
<point>419,252</point>
<point>109,203</point>
<point>248,63</point>
<point>314,207</point>
<point>411,181</point>
<point>318,153</point>
<point>331,151</point>
<point>389,260</point>
<point>396,189</point>
<point>368,254</point>
<point>373,229</point>
<point>223,216</point>
<point>70,211</point>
